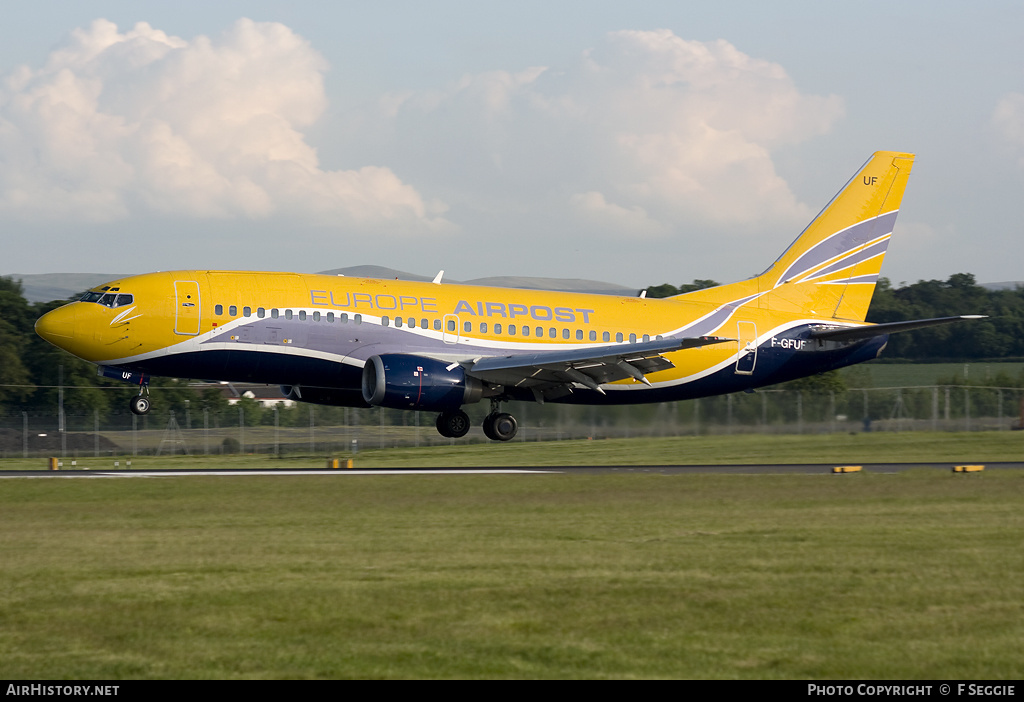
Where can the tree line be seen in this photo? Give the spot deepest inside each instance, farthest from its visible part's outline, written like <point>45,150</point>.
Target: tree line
<point>32,372</point>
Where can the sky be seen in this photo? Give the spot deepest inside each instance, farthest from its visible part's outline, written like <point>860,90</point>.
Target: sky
<point>634,143</point>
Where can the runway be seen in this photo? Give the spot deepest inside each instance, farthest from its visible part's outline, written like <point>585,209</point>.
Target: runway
<point>746,469</point>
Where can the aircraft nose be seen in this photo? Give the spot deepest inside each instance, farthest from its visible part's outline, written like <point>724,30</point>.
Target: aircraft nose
<point>58,326</point>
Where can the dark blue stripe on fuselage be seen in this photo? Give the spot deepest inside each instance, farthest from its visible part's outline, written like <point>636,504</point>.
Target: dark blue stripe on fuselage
<point>774,365</point>
<point>245,366</point>
<point>786,356</point>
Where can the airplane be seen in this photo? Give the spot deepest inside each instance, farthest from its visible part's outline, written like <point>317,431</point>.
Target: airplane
<point>433,346</point>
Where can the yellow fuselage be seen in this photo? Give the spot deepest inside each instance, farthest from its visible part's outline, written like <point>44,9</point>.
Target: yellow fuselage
<point>332,339</point>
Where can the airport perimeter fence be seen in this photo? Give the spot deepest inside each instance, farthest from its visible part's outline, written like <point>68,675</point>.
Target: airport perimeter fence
<point>317,430</point>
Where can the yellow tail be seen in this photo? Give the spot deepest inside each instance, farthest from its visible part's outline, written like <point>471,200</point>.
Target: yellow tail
<point>831,269</point>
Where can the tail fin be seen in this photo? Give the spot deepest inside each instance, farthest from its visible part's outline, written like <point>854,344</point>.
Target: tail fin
<point>831,268</point>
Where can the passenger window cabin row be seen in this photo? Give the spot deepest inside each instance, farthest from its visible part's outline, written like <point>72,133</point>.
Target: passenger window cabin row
<point>525,330</point>
<point>412,323</point>
<point>301,315</point>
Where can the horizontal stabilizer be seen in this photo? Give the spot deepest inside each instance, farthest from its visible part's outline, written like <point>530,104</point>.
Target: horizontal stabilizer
<point>871,330</point>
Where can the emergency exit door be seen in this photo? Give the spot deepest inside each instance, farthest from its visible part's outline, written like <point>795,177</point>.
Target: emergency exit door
<point>450,330</point>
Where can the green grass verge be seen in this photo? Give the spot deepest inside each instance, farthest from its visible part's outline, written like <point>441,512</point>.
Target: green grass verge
<point>886,375</point>
<point>741,449</point>
<point>915,575</point>
<point>875,447</point>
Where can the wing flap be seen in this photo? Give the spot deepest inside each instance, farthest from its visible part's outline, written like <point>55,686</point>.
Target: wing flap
<point>590,367</point>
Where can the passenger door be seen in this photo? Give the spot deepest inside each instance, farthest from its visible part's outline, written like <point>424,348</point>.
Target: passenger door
<point>188,310</point>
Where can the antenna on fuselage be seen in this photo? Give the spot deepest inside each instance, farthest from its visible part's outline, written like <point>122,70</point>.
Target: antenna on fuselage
<point>437,278</point>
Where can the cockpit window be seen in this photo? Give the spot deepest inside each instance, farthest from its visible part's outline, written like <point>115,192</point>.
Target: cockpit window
<point>108,299</point>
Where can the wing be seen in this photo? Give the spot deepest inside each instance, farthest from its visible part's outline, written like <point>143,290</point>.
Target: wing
<point>590,367</point>
<point>870,330</point>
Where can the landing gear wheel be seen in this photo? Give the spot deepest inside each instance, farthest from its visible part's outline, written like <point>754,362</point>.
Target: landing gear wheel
<point>453,424</point>
<point>500,426</point>
<point>139,404</point>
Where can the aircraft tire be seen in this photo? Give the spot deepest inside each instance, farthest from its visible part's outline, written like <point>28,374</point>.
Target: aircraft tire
<point>453,424</point>
<point>488,426</point>
<point>139,405</point>
<point>500,426</point>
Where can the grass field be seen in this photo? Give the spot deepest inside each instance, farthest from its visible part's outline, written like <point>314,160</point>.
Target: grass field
<point>892,375</point>
<point>915,575</point>
<point>874,447</point>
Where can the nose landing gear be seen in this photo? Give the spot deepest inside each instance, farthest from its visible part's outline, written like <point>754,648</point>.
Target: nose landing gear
<point>140,404</point>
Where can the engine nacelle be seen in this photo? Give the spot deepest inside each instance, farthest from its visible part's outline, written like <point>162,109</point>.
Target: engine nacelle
<point>400,381</point>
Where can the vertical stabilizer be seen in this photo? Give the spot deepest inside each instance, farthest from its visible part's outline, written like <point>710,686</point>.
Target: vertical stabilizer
<point>832,267</point>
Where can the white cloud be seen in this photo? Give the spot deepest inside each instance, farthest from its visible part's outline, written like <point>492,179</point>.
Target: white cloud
<point>121,124</point>
<point>646,128</point>
<point>1008,120</point>
<point>646,135</point>
<point>596,211</point>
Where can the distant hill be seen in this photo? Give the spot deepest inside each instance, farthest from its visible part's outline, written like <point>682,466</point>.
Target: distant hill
<point>578,285</point>
<point>377,272</point>
<point>1008,285</point>
<point>43,287</point>
<point>524,282</point>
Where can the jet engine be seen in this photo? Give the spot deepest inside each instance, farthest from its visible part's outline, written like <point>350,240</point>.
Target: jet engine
<point>402,381</point>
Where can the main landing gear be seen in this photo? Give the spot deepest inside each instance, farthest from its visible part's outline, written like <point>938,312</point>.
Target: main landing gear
<point>497,426</point>
<point>453,424</point>
<point>500,426</point>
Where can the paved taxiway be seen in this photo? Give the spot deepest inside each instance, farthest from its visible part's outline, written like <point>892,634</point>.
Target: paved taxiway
<point>792,468</point>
